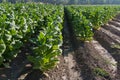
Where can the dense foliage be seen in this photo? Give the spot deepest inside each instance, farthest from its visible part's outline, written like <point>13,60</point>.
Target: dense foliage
<point>39,25</point>
<point>68,1</point>
<point>85,19</point>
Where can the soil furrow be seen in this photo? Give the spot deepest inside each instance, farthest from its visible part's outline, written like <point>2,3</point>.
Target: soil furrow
<point>116,20</point>
<point>112,29</point>
<point>114,38</point>
<point>117,24</point>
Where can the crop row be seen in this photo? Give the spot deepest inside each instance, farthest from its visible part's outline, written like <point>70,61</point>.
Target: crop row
<point>36,24</point>
<point>41,26</point>
<point>86,19</point>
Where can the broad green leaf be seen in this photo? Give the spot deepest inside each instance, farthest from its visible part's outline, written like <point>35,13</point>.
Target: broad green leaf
<point>2,47</point>
<point>41,35</point>
<point>8,37</point>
